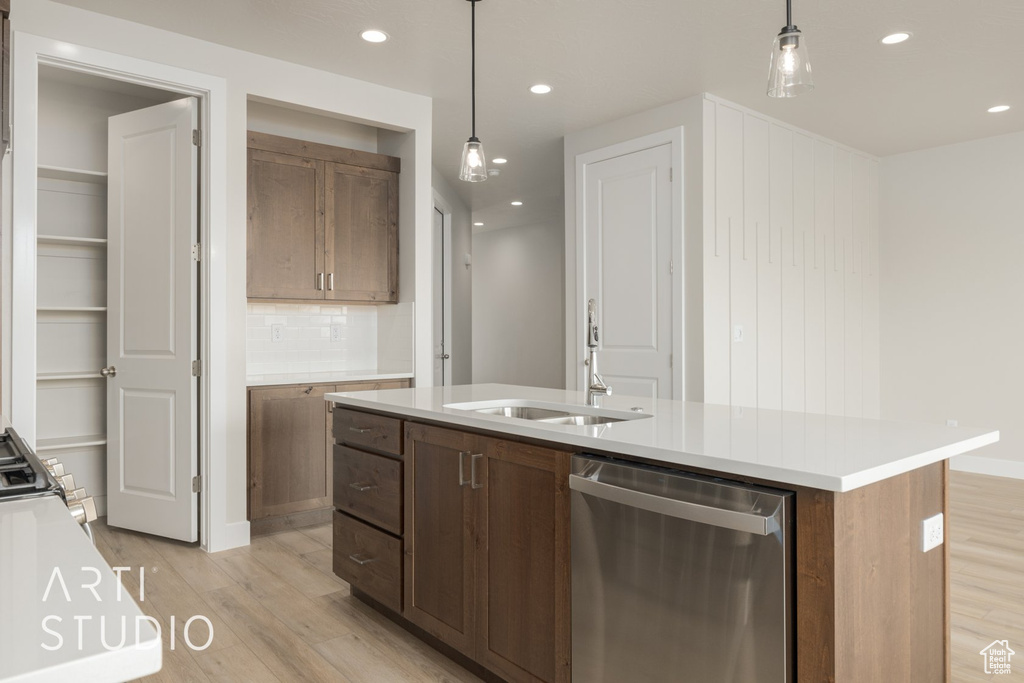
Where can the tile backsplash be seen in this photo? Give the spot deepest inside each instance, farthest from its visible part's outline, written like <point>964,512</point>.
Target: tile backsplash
<point>307,344</point>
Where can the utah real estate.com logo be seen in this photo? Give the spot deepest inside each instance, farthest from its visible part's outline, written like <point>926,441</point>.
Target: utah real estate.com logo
<point>997,657</point>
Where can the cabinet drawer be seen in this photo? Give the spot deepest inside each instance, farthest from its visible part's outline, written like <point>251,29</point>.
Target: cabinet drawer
<point>369,487</point>
<point>366,430</point>
<point>369,559</point>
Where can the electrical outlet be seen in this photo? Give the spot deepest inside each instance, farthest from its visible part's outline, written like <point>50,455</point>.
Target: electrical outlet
<point>932,533</point>
<point>952,423</point>
<point>277,332</point>
<point>336,333</point>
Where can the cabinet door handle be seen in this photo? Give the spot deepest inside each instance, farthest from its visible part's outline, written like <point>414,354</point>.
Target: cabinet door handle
<point>360,430</point>
<point>472,470</point>
<point>361,559</point>
<point>359,486</point>
<point>462,468</point>
<point>330,282</point>
<point>319,282</point>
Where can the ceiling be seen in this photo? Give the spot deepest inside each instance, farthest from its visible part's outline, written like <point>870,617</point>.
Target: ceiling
<point>610,58</point>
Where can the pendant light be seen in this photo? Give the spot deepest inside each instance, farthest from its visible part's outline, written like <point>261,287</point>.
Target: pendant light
<point>790,71</point>
<point>474,163</point>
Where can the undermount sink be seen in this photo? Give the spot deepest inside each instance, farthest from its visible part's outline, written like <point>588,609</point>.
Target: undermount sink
<point>548,413</point>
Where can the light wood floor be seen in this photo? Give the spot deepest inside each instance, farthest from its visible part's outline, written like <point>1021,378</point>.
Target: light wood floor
<point>986,535</point>
<point>280,614</point>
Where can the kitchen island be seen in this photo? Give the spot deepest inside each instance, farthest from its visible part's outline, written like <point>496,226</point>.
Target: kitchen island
<point>869,603</point>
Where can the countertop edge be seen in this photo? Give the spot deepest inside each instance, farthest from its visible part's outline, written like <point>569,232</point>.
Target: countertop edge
<point>835,484</point>
<point>306,378</point>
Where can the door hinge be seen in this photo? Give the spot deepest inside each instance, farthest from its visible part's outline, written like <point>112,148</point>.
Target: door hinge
<point>670,358</point>
<point>197,252</point>
<point>197,368</point>
<point>670,174</point>
<point>197,137</point>
<point>671,267</point>
<point>197,484</point>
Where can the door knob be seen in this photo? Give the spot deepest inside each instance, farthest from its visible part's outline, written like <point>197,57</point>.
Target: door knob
<point>444,356</point>
<point>108,372</point>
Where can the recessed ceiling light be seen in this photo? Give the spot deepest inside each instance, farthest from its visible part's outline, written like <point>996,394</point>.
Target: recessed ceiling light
<point>998,108</point>
<point>499,160</point>
<point>540,89</point>
<point>517,203</point>
<point>374,36</point>
<point>894,38</point>
<point>479,225</point>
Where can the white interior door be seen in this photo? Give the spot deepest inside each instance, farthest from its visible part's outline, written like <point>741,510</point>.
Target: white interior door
<point>628,242</point>
<point>152,222</point>
<point>442,355</point>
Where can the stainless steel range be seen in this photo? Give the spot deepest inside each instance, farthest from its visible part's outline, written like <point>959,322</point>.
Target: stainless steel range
<point>23,475</point>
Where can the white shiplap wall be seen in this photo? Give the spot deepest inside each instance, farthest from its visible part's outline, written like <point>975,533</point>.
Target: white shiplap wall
<point>790,267</point>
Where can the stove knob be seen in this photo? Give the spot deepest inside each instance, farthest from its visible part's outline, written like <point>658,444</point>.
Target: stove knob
<point>84,510</point>
<point>77,494</point>
<point>67,482</point>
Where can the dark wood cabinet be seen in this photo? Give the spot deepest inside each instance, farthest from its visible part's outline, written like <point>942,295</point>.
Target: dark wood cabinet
<point>361,251</point>
<point>286,226</point>
<point>523,570</point>
<point>440,538</point>
<point>322,222</point>
<point>487,550</point>
<point>289,468</point>
<point>291,452</point>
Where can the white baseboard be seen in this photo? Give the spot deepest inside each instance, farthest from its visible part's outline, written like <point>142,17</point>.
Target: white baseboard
<point>996,467</point>
<point>234,535</point>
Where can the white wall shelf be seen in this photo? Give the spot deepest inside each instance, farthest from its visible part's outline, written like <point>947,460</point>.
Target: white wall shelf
<point>71,442</point>
<point>65,240</point>
<point>77,175</point>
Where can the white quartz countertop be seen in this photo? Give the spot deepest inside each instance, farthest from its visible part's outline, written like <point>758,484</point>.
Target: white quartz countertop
<point>817,451</point>
<point>37,536</point>
<point>323,377</point>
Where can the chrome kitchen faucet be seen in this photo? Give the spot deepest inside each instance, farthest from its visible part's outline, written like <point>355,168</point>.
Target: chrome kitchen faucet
<point>595,385</point>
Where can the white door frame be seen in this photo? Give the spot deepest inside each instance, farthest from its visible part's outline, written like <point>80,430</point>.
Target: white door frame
<point>574,353</point>
<point>29,53</point>
<point>449,344</point>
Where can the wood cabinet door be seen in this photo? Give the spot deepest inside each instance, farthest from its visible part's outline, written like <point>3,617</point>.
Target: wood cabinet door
<point>361,247</point>
<point>289,454</point>
<point>285,255</point>
<point>523,591</point>
<point>440,512</point>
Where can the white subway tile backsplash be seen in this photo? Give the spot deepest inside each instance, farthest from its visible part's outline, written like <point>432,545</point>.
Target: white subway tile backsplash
<point>307,345</point>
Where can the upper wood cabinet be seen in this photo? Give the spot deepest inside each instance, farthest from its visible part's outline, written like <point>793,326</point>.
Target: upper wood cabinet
<point>322,222</point>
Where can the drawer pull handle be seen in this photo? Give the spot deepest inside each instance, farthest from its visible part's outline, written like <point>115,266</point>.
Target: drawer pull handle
<point>359,486</point>
<point>462,468</point>
<point>473,459</point>
<point>361,559</point>
<point>360,430</point>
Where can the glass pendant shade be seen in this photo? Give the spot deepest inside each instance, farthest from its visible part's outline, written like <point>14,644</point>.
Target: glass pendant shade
<point>790,71</point>
<point>474,163</point>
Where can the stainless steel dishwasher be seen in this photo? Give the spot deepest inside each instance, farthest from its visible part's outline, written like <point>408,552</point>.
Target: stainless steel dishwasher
<point>678,577</point>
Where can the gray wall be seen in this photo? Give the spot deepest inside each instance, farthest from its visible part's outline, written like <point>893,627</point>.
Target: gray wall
<point>519,305</point>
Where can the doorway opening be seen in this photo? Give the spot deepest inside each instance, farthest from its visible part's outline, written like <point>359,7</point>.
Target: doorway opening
<point>442,294</point>
<point>117,343</point>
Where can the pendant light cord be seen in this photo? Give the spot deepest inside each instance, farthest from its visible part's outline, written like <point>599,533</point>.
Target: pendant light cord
<point>473,58</point>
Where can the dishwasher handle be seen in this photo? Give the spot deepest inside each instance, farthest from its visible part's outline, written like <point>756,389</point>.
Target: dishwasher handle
<point>751,523</point>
